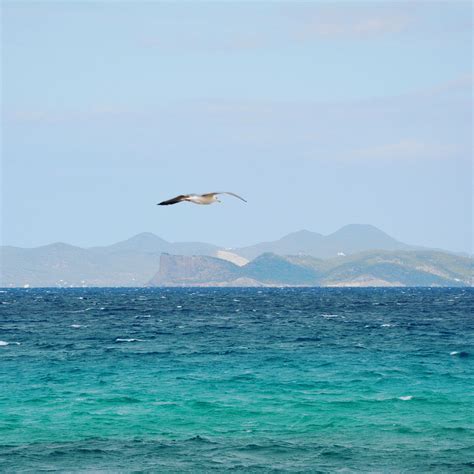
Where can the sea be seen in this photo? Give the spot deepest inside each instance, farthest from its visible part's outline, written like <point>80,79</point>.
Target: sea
<point>317,380</point>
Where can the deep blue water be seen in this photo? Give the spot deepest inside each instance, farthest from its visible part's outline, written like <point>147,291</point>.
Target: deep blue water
<point>247,380</point>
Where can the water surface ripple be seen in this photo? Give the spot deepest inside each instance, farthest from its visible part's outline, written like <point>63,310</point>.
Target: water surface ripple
<point>250,380</point>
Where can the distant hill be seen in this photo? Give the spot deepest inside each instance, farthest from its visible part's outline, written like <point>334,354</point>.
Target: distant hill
<point>392,268</point>
<point>135,261</point>
<point>66,265</point>
<point>149,243</point>
<point>350,239</point>
<point>375,268</point>
<point>131,262</point>
<point>272,268</point>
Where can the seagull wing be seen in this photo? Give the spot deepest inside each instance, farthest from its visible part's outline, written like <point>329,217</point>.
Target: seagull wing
<point>175,200</point>
<point>231,194</point>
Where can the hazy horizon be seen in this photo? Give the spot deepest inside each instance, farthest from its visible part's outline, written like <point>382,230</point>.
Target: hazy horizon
<point>319,114</point>
<point>223,245</point>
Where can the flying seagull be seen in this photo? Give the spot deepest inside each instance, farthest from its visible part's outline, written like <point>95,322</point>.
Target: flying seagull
<point>208,198</point>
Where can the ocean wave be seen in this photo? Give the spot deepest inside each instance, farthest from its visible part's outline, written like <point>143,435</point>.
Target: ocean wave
<point>120,339</point>
<point>81,310</point>
<point>121,399</point>
<point>200,439</point>
<point>461,354</point>
<point>245,382</point>
<point>5,343</point>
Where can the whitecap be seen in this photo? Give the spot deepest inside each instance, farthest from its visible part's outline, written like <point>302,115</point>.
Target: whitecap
<point>5,343</point>
<point>119,339</point>
<point>386,325</point>
<point>76,325</point>
<point>461,354</point>
<point>406,397</point>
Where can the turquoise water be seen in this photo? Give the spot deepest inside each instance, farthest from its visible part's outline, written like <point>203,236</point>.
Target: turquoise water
<point>245,380</point>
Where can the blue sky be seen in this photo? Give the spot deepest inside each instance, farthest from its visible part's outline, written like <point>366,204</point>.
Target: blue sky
<point>320,114</point>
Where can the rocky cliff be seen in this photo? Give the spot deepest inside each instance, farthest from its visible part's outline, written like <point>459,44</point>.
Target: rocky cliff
<point>181,270</point>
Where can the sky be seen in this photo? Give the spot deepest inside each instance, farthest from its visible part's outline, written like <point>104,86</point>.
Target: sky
<point>320,114</point>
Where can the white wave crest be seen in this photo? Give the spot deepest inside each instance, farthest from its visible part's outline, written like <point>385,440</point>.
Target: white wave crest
<point>5,343</point>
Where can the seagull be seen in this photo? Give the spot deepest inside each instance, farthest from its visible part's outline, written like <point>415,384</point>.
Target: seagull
<point>208,198</point>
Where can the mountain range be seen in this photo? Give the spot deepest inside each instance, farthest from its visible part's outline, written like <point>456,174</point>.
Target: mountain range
<point>349,239</point>
<point>370,268</point>
<point>304,257</point>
